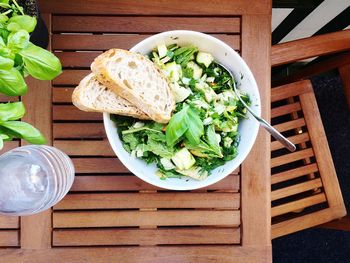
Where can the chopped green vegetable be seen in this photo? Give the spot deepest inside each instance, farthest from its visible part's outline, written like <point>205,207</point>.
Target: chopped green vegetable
<point>203,131</point>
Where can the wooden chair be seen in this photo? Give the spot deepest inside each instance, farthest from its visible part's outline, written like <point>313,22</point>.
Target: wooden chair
<point>336,44</point>
<point>305,188</point>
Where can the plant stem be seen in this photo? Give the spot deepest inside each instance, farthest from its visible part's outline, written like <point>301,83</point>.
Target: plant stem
<point>7,12</point>
<point>18,7</point>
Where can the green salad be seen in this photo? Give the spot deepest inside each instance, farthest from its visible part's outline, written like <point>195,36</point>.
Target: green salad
<point>203,131</point>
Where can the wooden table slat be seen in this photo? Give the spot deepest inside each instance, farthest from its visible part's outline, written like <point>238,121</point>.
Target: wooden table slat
<point>149,24</point>
<point>97,43</point>
<point>78,130</point>
<point>133,183</point>
<point>150,200</point>
<point>145,218</point>
<point>9,238</point>
<point>80,148</point>
<point>146,237</point>
<point>99,165</point>
<point>71,113</point>
<point>9,221</point>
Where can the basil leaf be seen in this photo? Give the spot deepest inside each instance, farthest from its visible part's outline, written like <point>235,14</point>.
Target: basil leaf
<point>17,41</point>
<point>177,126</point>
<point>195,127</point>
<point>11,111</point>
<point>213,141</point>
<point>5,137</point>
<point>1,143</point>
<point>28,23</point>
<point>12,83</point>
<point>40,63</point>
<point>3,19</point>
<point>5,2</point>
<point>24,131</point>
<point>6,63</point>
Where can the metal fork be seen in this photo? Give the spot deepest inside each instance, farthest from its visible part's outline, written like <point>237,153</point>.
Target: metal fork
<point>275,134</point>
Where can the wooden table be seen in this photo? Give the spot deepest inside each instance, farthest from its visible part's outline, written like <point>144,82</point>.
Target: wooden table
<point>111,215</point>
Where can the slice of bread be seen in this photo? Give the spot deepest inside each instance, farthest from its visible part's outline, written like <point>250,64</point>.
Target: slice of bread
<point>136,79</point>
<point>93,96</point>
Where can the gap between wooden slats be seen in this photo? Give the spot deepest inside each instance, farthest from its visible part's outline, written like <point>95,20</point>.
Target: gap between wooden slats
<point>296,189</point>
<point>149,200</point>
<point>296,139</point>
<point>78,130</point>
<point>145,218</point>
<point>283,110</point>
<point>90,42</point>
<point>150,24</point>
<point>133,183</point>
<point>291,157</point>
<point>9,238</point>
<point>81,148</point>
<point>99,165</point>
<point>93,237</point>
<point>289,125</point>
<point>294,173</point>
<point>290,90</point>
<point>299,204</point>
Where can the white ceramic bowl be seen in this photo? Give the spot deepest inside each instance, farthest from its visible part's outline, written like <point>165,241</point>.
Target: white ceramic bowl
<point>248,128</point>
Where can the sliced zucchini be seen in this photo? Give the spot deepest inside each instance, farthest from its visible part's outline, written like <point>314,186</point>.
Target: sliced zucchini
<point>204,58</point>
<point>180,93</point>
<point>195,173</point>
<point>173,71</point>
<point>183,159</point>
<point>162,50</point>
<point>167,164</point>
<point>197,70</point>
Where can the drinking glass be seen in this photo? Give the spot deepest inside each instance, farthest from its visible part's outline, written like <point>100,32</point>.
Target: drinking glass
<point>33,178</point>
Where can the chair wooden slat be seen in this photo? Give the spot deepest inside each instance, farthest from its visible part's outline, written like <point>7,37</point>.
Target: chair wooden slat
<point>99,165</point>
<point>9,238</point>
<point>81,148</point>
<point>71,113</point>
<point>149,200</point>
<point>139,24</point>
<point>9,221</point>
<point>78,130</point>
<point>145,218</point>
<point>89,42</point>
<point>133,183</point>
<point>287,52</point>
<point>294,173</point>
<point>146,237</point>
<point>289,125</point>
<point>304,221</point>
<point>295,189</point>
<point>296,139</point>
<point>290,90</point>
<point>291,157</point>
<point>155,7</point>
<point>299,204</point>
<point>285,109</point>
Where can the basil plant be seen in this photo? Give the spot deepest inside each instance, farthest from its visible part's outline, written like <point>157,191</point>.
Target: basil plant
<point>20,58</point>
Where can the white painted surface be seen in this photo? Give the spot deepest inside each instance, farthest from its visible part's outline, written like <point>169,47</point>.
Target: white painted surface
<point>318,18</point>
<point>278,15</point>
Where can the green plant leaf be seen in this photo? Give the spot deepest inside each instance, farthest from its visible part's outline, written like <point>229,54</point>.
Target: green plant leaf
<point>18,40</point>
<point>11,111</point>
<point>6,63</point>
<point>1,143</point>
<point>195,127</point>
<point>28,23</point>
<point>24,131</point>
<point>3,19</point>
<point>213,141</point>
<point>12,83</point>
<point>40,63</point>
<point>4,1</point>
<point>177,126</point>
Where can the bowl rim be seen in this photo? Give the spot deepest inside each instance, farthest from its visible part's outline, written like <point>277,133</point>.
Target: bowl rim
<point>240,157</point>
